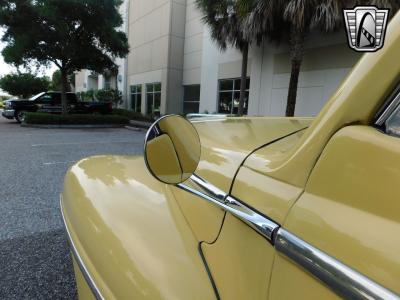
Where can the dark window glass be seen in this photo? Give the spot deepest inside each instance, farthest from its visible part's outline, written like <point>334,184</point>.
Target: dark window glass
<point>229,98</point>
<point>393,123</point>
<point>191,99</point>
<point>157,103</point>
<point>149,103</point>
<point>191,107</point>
<point>157,87</point>
<point>225,102</point>
<point>226,85</point>
<point>192,92</point>
<point>153,98</point>
<point>47,98</point>
<point>237,84</point>
<point>136,98</point>
<point>56,98</point>
<point>150,88</point>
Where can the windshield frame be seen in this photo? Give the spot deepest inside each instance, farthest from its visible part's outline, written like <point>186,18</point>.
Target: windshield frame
<point>33,98</point>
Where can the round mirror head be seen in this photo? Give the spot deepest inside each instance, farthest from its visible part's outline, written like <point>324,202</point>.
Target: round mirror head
<point>172,149</point>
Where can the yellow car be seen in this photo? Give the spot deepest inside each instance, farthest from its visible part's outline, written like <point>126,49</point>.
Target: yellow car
<point>265,208</point>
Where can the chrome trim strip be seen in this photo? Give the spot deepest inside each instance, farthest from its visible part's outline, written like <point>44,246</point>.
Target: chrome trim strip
<point>96,292</point>
<point>208,187</point>
<point>390,109</point>
<point>261,224</point>
<point>340,278</point>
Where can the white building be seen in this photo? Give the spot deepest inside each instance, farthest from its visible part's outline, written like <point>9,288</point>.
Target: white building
<point>174,67</point>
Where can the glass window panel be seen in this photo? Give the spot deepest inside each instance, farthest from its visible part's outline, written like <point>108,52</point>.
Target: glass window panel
<point>237,84</point>
<point>138,103</point>
<point>226,85</point>
<point>157,104</point>
<point>157,87</point>
<point>393,123</point>
<point>191,107</point>
<point>149,103</point>
<point>225,102</point>
<point>149,88</point>
<point>139,88</point>
<point>236,97</point>
<point>192,93</point>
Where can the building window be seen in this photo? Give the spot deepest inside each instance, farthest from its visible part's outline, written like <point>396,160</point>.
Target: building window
<point>107,82</point>
<point>136,98</point>
<point>153,98</point>
<point>229,94</point>
<point>191,99</point>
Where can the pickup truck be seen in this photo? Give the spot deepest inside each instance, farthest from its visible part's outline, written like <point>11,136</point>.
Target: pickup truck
<point>50,102</point>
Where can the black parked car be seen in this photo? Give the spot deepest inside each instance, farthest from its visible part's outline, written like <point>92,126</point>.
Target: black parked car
<point>50,102</point>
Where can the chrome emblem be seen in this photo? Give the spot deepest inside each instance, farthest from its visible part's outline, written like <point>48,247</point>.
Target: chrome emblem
<point>366,27</point>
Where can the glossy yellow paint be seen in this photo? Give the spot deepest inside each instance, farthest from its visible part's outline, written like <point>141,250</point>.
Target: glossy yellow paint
<point>269,196</point>
<point>226,143</point>
<point>130,232</point>
<point>204,218</point>
<point>355,102</point>
<point>351,207</point>
<point>240,261</point>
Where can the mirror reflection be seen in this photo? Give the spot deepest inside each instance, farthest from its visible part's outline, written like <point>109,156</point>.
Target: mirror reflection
<point>172,149</point>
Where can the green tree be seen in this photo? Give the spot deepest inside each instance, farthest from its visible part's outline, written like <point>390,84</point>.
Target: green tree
<point>225,20</point>
<point>24,85</point>
<point>56,82</point>
<point>72,34</point>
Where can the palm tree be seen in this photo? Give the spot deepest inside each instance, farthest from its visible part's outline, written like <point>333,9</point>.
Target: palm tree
<point>225,18</point>
<point>293,19</point>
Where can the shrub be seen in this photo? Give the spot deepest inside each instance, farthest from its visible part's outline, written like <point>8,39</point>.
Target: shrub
<point>114,96</point>
<point>86,96</point>
<point>82,119</point>
<point>132,115</point>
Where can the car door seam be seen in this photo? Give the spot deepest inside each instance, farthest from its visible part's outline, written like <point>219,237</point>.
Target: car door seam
<point>255,150</point>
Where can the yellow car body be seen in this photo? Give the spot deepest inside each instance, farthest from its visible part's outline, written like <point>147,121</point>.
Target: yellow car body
<point>329,184</point>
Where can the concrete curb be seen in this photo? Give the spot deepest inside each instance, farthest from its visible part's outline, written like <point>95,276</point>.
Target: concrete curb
<point>43,126</point>
<point>140,124</point>
<point>135,128</point>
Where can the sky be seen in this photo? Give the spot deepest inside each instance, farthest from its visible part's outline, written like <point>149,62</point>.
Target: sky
<point>6,69</point>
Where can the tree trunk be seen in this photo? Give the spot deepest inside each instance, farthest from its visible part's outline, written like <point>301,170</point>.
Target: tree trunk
<point>245,53</point>
<point>64,89</point>
<point>292,93</point>
<point>296,53</point>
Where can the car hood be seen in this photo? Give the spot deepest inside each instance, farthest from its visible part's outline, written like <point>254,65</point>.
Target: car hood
<point>226,142</point>
<point>19,101</point>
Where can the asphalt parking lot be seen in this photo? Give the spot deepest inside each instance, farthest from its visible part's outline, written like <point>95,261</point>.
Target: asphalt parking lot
<point>34,255</point>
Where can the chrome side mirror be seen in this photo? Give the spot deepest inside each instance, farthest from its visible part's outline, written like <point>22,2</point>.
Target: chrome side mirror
<point>172,149</point>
